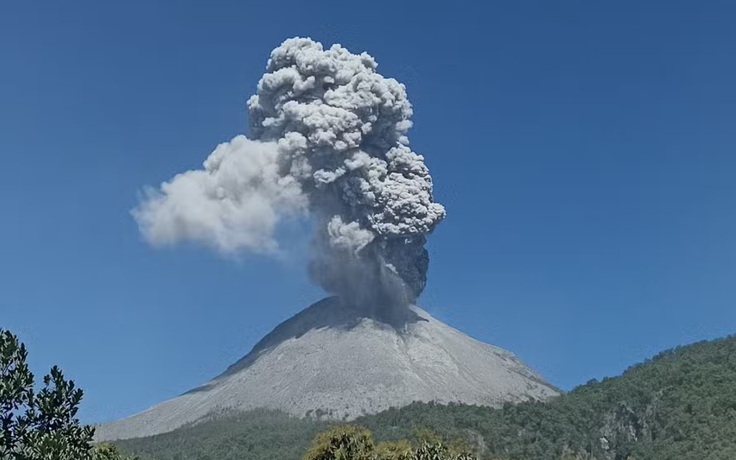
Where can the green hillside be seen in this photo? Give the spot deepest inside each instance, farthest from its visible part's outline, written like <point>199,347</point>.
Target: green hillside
<point>679,405</point>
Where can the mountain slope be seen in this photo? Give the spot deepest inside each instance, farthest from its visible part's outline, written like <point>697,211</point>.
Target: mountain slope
<point>679,405</point>
<point>333,361</point>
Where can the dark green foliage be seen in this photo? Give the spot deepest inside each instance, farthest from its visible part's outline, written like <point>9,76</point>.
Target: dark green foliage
<point>16,391</point>
<point>109,452</point>
<point>680,405</point>
<point>258,435</point>
<point>43,425</point>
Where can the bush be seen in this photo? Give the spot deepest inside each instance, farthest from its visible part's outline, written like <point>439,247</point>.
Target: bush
<point>349,442</point>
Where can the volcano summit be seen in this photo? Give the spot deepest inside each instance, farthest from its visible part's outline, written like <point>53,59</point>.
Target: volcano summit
<point>338,362</point>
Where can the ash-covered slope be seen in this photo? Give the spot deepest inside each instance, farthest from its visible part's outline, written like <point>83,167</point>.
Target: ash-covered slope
<point>338,362</point>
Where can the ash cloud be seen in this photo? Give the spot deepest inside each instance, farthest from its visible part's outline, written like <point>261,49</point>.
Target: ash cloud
<point>328,140</point>
<point>233,204</point>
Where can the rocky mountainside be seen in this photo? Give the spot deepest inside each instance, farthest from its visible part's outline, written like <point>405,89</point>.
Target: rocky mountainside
<point>336,362</point>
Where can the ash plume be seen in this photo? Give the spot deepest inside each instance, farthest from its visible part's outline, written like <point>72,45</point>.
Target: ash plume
<point>328,141</point>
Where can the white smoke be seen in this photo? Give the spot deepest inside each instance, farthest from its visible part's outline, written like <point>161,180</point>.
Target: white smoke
<point>328,137</point>
<point>233,204</point>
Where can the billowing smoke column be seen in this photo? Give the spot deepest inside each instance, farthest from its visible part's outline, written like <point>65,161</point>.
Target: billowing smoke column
<point>328,140</point>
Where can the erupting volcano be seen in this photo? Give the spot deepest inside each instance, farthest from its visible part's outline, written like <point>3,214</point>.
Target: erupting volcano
<point>328,142</point>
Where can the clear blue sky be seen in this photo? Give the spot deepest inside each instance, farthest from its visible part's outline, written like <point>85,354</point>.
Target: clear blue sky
<point>585,151</point>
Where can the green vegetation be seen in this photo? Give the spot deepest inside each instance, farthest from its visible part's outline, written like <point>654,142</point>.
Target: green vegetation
<point>679,405</point>
<point>351,442</point>
<point>258,435</point>
<point>342,443</point>
<point>41,425</point>
<point>109,452</point>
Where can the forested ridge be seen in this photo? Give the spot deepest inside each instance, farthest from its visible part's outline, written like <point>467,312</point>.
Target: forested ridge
<point>681,404</point>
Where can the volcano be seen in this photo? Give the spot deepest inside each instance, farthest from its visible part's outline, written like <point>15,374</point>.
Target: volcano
<point>333,361</point>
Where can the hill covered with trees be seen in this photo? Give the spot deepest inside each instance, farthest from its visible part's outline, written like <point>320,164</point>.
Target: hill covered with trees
<point>681,405</point>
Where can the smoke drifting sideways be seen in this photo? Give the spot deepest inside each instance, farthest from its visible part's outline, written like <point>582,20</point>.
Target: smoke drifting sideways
<point>328,141</point>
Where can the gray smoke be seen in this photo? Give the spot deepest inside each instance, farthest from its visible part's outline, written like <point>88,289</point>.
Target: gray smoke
<point>328,139</point>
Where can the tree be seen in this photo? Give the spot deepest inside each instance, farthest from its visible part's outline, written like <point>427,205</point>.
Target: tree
<point>16,382</point>
<point>109,452</point>
<point>43,425</point>
<point>349,442</point>
<point>432,451</point>
<point>346,442</point>
<point>395,450</point>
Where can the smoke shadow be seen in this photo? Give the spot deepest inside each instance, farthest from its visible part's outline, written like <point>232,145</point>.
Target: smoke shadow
<point>330,312</point>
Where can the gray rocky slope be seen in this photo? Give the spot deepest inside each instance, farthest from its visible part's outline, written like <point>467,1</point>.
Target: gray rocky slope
<point>332,361</point>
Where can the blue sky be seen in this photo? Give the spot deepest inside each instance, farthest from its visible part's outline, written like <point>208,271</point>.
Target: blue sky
<point>585,154</point>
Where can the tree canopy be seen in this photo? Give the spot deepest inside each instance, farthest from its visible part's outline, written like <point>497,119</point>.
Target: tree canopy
<point>351,442</point>
<point>41,425</point>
